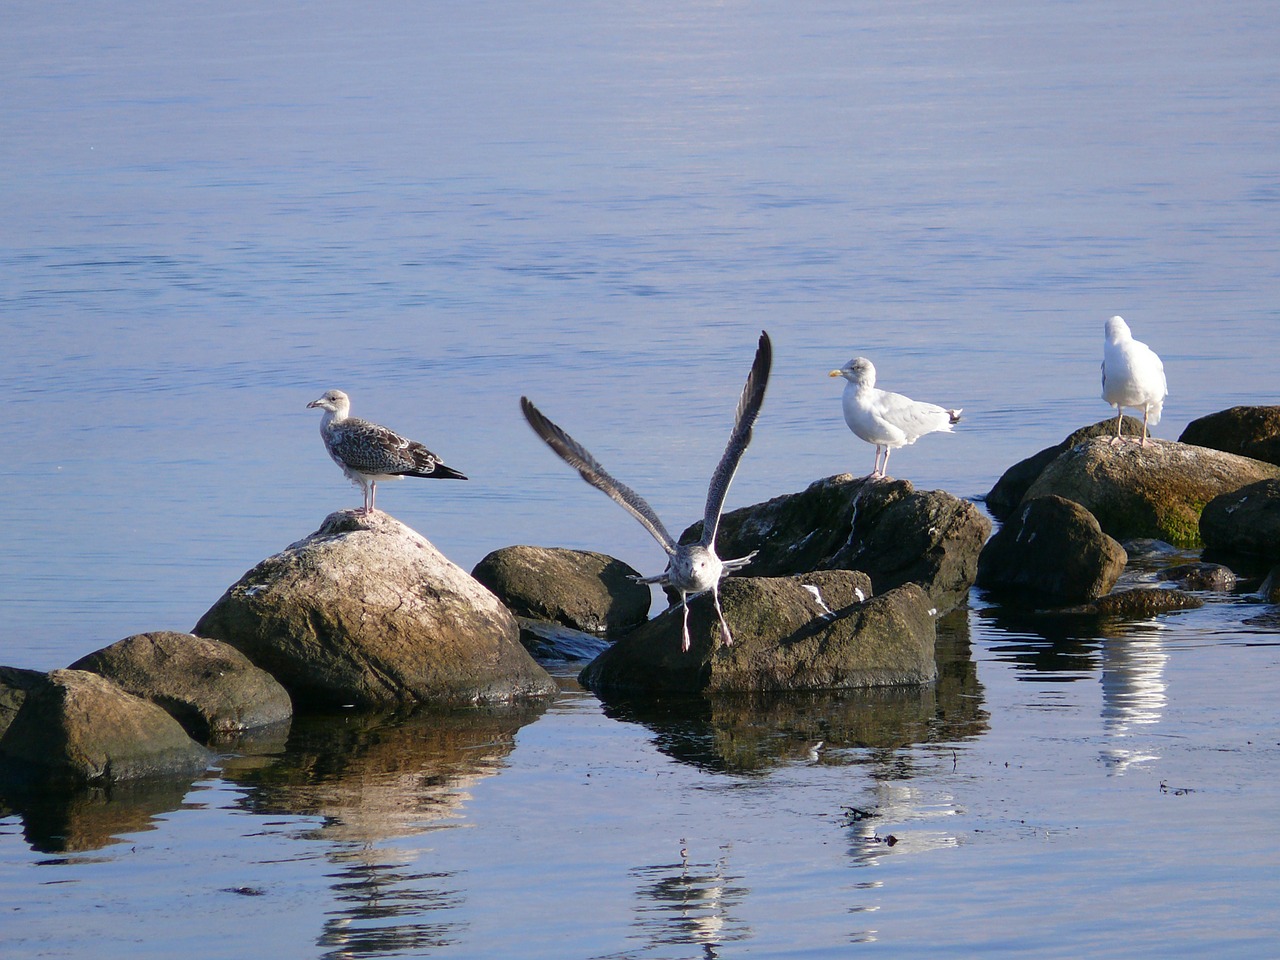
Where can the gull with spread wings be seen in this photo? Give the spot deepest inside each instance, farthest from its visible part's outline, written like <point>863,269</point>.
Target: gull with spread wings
<point>692,568</point>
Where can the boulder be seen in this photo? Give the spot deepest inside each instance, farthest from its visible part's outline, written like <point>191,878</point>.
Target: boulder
<point>1144,602</point>
<point>587,591</point>
<point>1051,551</point>
<point>1152,491</point>
<point>1269,590</point>
<point>208,686</point>
<point>1201,576</point>
<point>885,528</point>
<point>1245,431</point>
<point>14,686</point>
<point>1244,521</point>
<point>75,728</point>
<point>367,612</point>
<point>1004,497</point>
<point>549,641</point>
<point>812,632</point>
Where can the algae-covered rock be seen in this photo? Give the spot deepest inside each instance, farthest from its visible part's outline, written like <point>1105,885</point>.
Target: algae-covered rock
<point>367,612</point>
<point>1051,551</point>
<point>1154,491</point>
<point>1144,602</point>
<point>587,591</point>
<point>815,631</point>
<point>208,686</point>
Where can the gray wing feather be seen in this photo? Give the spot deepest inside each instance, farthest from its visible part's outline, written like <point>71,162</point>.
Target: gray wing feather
<point>574,454</point>
<point>370,448</point>
<point>744,420</point>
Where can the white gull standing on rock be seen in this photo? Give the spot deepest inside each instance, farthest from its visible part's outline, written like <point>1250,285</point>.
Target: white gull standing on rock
<point>1132,376</point>
<point>367,452</point>
<point>692,568</point>
<point>887,420</point>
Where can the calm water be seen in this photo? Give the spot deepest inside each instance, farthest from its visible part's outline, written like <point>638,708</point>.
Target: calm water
<point>214,215</point>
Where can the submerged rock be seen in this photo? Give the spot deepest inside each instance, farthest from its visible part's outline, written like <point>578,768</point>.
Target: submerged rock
<point>1246,431</point>
<point>1244,521</point>
<point>1201,576</point>
<point>1051,551</point>
<point>208,686</point>
<point>1014,483</point>
<point>811,632</point>
<point>74,728</point>
<point>587,591</point>
<point>365,611</point>
<point>885,528</point>
<point>1144,602</point>
<point>1152,491</point>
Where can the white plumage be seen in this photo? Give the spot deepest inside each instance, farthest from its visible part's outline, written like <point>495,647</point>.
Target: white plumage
<point>692,568</point>
<point>887,420</point>
<point>1132,376</point>
<point>368,452</point>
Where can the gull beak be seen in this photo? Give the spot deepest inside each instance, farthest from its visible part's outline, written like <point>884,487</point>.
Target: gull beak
<point>313,403</point>
<point>836,373</point>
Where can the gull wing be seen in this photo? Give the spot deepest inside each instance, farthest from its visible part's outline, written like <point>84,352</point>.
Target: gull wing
<point>576,455</point>
<point>744,420</point>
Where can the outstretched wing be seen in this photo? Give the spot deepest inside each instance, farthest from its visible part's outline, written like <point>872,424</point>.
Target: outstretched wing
<point>745,419</point>
<point>574,454</point>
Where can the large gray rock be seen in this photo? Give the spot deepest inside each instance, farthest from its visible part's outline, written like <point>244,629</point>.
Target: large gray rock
<point>1244,521</point>
<point>1152,491</point>
<point>75,728</point>
<point>811,632</point>
<point>365,611</point>
<point>885,528</point>
<point>1004,497</point>
<point>208,686</point>
<point>1246,431</point>
<point>15,683</point>
<point>587,591</point>
<point>1050,552</point>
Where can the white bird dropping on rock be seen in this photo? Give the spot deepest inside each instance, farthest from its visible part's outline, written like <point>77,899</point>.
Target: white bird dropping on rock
<point>692,568</point>
<point>887,420</point>
<point>367,452</point>
<point>1132,376</point>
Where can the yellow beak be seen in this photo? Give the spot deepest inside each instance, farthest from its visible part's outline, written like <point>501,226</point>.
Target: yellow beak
<point>836,373</point>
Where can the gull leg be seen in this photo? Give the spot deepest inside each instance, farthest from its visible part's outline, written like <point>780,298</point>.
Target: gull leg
<point>725,635</point>
<point>684,636</point>
<point>1119,421</point>
<point>884,471</point>
<point>1145,411</point>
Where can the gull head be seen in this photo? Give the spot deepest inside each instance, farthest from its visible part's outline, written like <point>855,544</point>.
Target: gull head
<point>335,401</point>
<point>1117,330</point>
<point>858,371</point>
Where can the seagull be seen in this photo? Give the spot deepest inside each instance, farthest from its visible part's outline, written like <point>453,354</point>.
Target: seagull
<point>368,452</point>
<point>1132,376</point>
<point>693,568</point>
<point>887,420</point>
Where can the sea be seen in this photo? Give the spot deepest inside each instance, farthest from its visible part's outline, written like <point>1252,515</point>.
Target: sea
<point>215,213</point>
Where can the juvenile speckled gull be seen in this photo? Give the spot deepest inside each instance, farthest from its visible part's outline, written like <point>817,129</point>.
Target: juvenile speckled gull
<point>887,420</point>
<point>368,452</point>
<point>1132,376</point>
<point>692,568</point>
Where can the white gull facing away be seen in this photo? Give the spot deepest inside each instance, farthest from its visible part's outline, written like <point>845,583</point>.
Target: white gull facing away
<point>1132,376</point>
<point>887,420</point>
<point>368,452</point>
<point>692,568</point>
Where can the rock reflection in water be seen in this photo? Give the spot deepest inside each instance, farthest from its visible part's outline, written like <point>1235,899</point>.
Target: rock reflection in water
<point>690,903</point>
<point>750,733</point>
<point>370,778</point>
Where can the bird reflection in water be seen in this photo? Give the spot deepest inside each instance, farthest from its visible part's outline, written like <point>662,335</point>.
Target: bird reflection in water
<point>1133,695</point>
<point>690,903</point>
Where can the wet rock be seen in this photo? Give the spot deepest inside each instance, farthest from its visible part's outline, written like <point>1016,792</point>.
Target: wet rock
<point>1269,591</point>
<point>887,529</point>
<point>76,728</point>
<point>1245,431</point>
<point>1152,491</point>
<point>550,641</point>
<point>1144,602</point>
<point>811,632</point>
<point>367,612</point>
<point>208,686</point>
<point>1013,485</point>
<point>1244,521</point>
<point>587,591</point>
<point>1051,551</point>
<point>1201,576</point>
